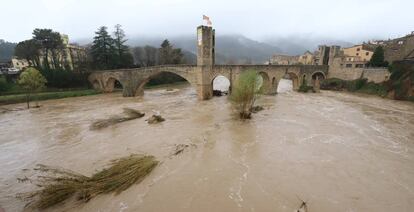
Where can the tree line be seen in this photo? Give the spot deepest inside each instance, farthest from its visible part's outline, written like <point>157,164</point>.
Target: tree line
<point>6,50</point>
<point>47,51</point>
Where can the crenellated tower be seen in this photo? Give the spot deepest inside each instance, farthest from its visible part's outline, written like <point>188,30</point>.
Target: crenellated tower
<point>205,46</point>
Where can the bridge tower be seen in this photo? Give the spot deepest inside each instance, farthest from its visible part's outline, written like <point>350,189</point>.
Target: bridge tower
<point>205,46</point>
<point>205,61</point>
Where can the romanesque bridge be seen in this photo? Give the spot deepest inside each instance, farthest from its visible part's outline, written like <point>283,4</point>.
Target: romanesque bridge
<point>201,76</point>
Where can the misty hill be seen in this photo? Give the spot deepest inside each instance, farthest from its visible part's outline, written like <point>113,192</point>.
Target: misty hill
<point>229,48</point>
<point>297,45</point>
<point>238,48</point>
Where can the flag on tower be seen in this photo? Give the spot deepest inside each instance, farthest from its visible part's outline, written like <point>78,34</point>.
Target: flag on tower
<point>207,19</point>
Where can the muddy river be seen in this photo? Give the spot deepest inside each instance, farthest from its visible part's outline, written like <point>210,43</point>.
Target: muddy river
<point>337,151</point>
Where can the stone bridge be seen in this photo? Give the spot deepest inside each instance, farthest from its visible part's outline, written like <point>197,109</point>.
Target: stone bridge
<point>201,76</point>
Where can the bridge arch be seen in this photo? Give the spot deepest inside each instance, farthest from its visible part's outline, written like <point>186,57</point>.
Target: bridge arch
<point>95,84</point>
<point>266,85</point>
<point>221,83</point>
<point>112,83</point>
<point>318,74</point>
<point>290,76</point>
<point>153,75</point>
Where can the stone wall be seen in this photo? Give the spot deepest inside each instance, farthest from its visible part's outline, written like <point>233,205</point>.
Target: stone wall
<point>376,75</point>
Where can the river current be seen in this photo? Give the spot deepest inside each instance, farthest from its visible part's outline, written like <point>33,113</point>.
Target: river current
<point>336,151</point>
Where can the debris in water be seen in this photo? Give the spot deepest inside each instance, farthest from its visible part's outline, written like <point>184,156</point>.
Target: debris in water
<point>131,114</point>
<point>155,119</point>
<point>303,207</point>
<point>256,109</point>
<point>179,148</point>
<point>58,185</point>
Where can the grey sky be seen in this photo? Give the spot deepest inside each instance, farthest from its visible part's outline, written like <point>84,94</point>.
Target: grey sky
<point>258,19</point>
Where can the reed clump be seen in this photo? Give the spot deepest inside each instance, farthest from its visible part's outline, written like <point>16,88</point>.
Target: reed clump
<point>130,114</point>
<point>57,185</point>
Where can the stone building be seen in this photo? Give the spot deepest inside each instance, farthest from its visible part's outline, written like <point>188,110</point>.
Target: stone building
<point>307,58</point>
<point>70,57</point>
<point>19,64</point>
<point>360,52</point>
<point>396,49</point>
<point>280,59</point>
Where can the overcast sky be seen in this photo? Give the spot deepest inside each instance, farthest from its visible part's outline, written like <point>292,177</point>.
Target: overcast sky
<point>350,20</point>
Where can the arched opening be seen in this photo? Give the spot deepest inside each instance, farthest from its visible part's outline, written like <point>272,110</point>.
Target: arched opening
<point>165,79</point>
<point>289,82</point>
<point>304,80</point>
<point>113,84</point>
<point>263,83</point>
<point>221,86</point>
<point>95,85</point>
<point>168,81</point>
<point>317,76</point>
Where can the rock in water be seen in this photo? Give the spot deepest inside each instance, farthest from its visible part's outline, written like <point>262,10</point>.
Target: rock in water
<point>155,119</point>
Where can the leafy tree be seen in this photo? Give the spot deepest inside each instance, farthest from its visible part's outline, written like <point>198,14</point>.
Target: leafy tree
<point>151,54</point>
<point>165,53</point>
<point>245,92</point>
<point>4,85</point>
<point>29,50</point>
<point>169,55</point>
<point>50,42</point>
<point>145,56</point>
<point>377,59</point>
<point>103,50</point>
<point>32,81</point>
<point>6,50</point>
<point>124,57</point>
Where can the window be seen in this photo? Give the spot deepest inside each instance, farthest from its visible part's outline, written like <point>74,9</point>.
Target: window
<point>359,65</point>
<point>400,42</point>
<point>348,65</point>
<point>366,53</point>
<point>358,49</point>
<point>357,54</point>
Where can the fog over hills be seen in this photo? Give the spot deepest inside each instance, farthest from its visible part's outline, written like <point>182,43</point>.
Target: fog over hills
<point>229,48</point>
<point>240,49</point>
<point>232,48</point>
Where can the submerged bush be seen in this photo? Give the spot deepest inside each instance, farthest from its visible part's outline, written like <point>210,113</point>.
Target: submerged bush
<point>354,85</point>
<point>245,92</point>
<point>306,88</point>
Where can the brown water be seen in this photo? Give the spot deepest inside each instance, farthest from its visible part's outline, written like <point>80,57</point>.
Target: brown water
<point>338,151</point>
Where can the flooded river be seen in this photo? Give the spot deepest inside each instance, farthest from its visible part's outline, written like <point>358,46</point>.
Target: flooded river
<point>337,151</point>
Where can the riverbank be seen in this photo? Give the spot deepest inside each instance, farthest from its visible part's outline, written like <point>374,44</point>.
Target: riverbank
<point>19,97</point>
<point>360,86</point>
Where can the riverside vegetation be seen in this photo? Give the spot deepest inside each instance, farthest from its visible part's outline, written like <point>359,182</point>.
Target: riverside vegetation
<point>400,85</point>
<point>57,185</point>
<point>245,92</point>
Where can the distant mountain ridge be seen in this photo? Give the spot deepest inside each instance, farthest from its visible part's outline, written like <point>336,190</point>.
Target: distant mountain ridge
<point>229,48</point>
<point>238,48</point>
